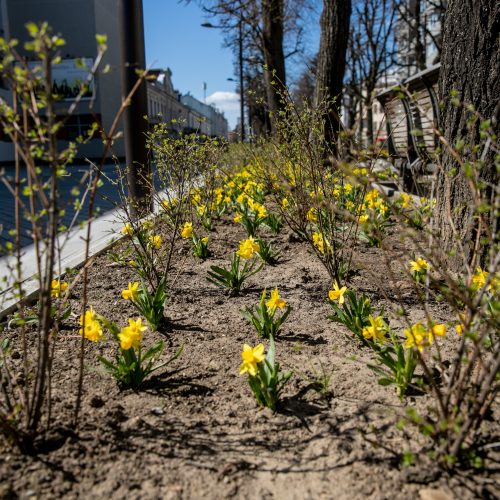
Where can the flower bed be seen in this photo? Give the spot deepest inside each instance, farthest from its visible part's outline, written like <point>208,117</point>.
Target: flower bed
<point>195,425</point>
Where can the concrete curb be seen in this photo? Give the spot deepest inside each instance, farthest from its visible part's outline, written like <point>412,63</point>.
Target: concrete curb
<point>105,233</point>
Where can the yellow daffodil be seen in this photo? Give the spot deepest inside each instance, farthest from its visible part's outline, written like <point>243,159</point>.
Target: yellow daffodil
<point>261,212</point>
<point>57,287</point>
<point>242,198</point>
<point>360,172</point>
<point>436,330</point>
<point>127,230</point>
<point>252,205</point>
<point>187,230</point>
<point>319,243</point>
<point>237,218</point>
<point>131,292</point>
<point>416,336</point>
<point>93,329</point>
<point>248,248</point>
<point>347,188</point>
<point>155,241</point>
<point>201,209</point>
<point>204,240</point>
<point>372,195</point>
<point>479,278</point>
<point>284,203</point>
<point>275,301</point>
<point>376,330</point>
<point>251,358</point>
<point>459,329</point>
<point>131,335</point>
<point>381,207</point>
<point>362,218</point>
<point>337,294</point>
<point>419,266</point>
<point>405,200</point>
<point>311,215</point>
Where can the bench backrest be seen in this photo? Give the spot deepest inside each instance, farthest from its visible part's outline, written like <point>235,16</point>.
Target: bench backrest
<point>412,114</point>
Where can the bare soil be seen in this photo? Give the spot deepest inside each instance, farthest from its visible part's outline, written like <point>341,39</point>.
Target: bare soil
<point>194,430</point>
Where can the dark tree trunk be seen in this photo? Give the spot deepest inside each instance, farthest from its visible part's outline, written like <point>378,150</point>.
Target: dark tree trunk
<point>369,123</point>
<point>332,60</point>
<point>274,57</point>
<point>470,65</point>
<point>418,33</point>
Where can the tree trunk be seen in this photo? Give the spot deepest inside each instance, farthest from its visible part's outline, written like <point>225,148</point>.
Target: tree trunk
<point>470,64</point>
<point>332,60</point>
<point>275,77</point>
<point>418,33</point>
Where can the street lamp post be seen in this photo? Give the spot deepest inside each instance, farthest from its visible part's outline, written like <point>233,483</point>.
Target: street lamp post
<point>135,126</point>
<point>240,63</point>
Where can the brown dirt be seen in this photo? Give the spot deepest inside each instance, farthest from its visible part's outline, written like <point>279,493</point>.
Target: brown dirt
<point>194,430</point>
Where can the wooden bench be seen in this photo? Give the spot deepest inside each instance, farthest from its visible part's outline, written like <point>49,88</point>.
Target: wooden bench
<point>412,114</point>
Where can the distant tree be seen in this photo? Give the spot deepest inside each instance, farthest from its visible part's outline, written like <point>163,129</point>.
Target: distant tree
<point>274,57</point>
<point>306,83</point>
<point>369,56</point>
<point>273,31</point>
<point>470,65</point>
<point>331,61</point>
<point>414,14</point>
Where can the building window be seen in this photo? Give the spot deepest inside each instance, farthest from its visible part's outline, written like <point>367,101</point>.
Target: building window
<point>77,125</point>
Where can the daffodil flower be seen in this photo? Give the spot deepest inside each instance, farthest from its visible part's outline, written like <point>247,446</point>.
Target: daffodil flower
<point>251,357</point>
<point>247,248</point>
<point>155,241</point>
<point>416,336</point>
<point>93,329</point>
<point>311,215</point>
<point>418,266</point>
<point>376,330</point>
<point>187,230</point>
<point>131,292</point>
<point>127,230</point>
<point>436,330</point>
<point>479,278</point>
<point>337,294</point>
<point>275,301</point>
<point>131,335</point>
<point>57,287</point>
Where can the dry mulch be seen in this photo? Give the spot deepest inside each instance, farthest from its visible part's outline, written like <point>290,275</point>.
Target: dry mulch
<point>194,430</point>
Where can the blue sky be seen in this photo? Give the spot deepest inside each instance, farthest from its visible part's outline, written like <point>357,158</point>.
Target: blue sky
<point>175,39</point>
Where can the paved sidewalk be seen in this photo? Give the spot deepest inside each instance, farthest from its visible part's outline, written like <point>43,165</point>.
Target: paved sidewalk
<point>104,232</point>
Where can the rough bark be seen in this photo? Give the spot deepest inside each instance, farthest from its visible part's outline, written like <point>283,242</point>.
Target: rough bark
<point>470,64</point>
<point>332,59</point>
<point>274,57</point>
